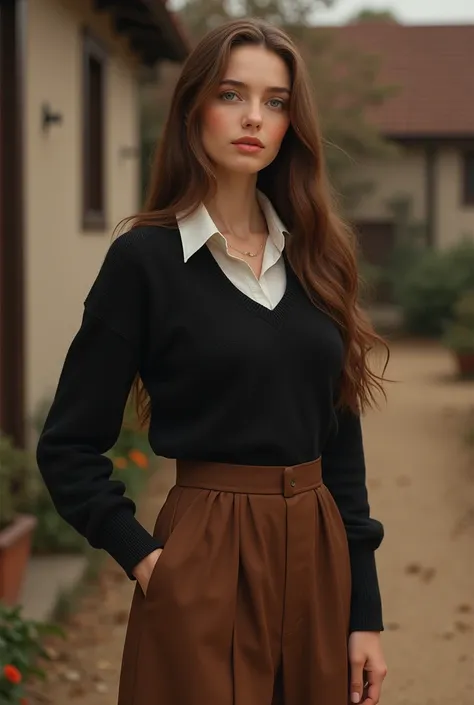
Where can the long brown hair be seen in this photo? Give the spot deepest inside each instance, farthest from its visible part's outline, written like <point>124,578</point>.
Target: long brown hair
<point>321,248</point>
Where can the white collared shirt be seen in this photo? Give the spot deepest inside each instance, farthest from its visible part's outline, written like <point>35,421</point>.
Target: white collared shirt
<point>199,229</point>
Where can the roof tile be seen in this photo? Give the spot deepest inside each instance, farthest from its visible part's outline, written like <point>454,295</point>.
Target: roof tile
<point>433,68</point>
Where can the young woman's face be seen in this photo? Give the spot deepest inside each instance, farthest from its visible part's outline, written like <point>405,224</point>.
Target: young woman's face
<point>244,123</point>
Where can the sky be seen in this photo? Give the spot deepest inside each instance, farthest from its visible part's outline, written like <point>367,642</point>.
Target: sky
<point>408,11</point>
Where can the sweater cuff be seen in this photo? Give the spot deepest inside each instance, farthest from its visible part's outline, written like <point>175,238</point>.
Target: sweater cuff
<point>126,540</point>
<point>366,603</point>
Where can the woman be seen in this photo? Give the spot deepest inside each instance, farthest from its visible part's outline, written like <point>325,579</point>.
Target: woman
<point>230,306</point>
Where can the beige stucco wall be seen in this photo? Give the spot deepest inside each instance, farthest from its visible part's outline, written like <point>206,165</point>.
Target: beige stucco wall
<point>454,219</point>
<point>399,176</point>
<point>61,259</point>
<point>406,175</point>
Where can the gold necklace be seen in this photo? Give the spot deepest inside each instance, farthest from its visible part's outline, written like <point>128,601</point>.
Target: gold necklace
<point>249,254</point>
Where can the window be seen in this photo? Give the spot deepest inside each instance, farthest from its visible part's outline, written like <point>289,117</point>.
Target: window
<point>468,178</point>
<point>93,148</point>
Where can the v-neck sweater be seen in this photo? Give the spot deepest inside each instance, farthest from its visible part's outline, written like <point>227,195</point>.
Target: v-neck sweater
<point>198,230</point>
<point>229,381</point>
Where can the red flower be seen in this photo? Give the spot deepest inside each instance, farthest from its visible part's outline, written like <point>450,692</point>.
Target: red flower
<point>139,458</point>
<point>12,673</point>
<point>120,463</point>
<point>23,701</point>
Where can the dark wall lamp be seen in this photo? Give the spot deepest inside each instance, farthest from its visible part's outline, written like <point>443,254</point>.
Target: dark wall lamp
<point>49,117</point>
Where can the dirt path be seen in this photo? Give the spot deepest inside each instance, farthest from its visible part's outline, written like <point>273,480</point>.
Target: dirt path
<point>422,487</point>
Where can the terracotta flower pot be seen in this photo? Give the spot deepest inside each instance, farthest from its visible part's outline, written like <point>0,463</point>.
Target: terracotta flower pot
<point>15,546</point>
<point>465,363</point>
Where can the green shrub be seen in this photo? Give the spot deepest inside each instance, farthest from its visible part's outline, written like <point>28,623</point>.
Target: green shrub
<point>405,258</point>
<point>20,648</point>
<point>429,292</point>
<point>18,489</point>
<point>459,335</point>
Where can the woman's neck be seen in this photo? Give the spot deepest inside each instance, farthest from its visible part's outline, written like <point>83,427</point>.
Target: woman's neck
<point>235,208</point>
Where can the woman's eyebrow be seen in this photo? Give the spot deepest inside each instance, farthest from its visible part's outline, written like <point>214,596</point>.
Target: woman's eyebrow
<point>241,84</point>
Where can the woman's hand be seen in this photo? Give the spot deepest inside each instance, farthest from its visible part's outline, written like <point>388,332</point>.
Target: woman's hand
<point>367,665</point>
<point>145,568</point>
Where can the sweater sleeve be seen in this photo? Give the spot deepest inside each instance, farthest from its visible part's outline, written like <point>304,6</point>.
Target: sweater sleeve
<point>86,415</point>
<point>344,473</point>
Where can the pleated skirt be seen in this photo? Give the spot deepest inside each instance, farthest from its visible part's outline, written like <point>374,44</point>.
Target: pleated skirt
<point>249,601</point>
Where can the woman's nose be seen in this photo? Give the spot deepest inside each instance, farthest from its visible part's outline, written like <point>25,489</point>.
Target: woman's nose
<point>253,116</point>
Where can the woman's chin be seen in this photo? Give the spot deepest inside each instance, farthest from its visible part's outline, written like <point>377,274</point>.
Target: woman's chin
<point>242,166</point>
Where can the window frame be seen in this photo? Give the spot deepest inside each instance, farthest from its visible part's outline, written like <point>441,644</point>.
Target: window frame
<point>467,165</point>
<point>93,219</point>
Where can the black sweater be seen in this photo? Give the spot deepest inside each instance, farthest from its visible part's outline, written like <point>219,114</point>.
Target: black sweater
<point>229,381</point>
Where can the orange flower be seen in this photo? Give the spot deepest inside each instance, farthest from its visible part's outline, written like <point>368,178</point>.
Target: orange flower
<point>120,463</point>
<point>139,458</point>
<point>12,673</point>
<point>23,701</point>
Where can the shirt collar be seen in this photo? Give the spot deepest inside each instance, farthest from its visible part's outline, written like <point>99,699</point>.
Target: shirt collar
<point>196,229</point>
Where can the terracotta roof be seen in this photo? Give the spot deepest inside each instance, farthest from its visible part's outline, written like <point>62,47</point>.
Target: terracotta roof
<point>433,69</point>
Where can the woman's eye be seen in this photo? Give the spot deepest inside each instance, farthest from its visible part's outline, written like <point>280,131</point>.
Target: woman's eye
<point>231,96</point>
<point>228,95</point>
<point>276,103</point>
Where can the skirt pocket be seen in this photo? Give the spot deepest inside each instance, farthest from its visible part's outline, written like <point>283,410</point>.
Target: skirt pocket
<point>171,516</point>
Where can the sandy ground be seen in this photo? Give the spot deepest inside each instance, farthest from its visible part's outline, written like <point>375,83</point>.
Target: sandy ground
<point>421,483</point>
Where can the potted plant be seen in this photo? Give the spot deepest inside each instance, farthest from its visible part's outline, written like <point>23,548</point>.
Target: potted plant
<point>16,526</point>
<point>459,335</point>
<point>20,648</point>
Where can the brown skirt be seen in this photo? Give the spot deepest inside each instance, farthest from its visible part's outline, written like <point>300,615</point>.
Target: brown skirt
<point>249,602</point>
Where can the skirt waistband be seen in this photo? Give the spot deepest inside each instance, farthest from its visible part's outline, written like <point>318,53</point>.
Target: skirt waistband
<point>249,479</point>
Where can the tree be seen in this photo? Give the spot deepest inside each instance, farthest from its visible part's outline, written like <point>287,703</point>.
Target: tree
<point>369,15</point>
<point>345,80</point>
<point>202,15</point>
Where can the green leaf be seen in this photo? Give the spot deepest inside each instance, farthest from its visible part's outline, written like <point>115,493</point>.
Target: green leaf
<point>39,673</point>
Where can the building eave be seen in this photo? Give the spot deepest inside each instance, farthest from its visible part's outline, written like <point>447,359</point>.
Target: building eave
<point>153,31</point>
